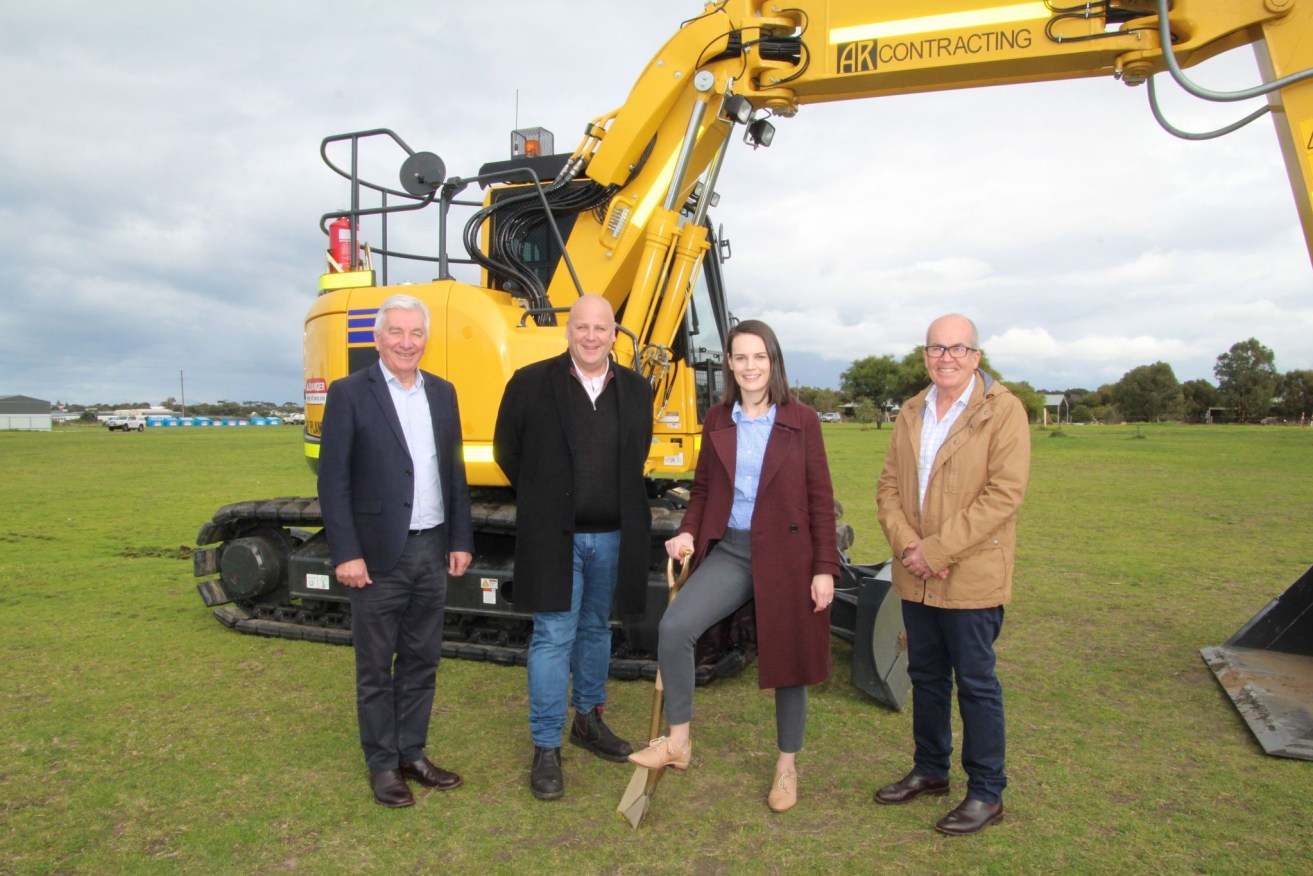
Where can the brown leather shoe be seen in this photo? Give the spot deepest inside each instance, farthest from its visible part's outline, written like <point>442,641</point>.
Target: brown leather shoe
<point>909,787</point>
<point>390,789</point>
<point>430,776</point>
<point>971,816</point>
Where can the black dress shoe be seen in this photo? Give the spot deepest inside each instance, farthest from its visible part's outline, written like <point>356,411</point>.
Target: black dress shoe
<point>589,731</point>
<point>971,816</point>
<point>545,779</point>
<point>430,776</point>
<point>390,789</point>
<point>909,787</point>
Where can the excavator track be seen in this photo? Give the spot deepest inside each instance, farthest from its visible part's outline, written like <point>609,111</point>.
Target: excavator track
<point>264,571</point>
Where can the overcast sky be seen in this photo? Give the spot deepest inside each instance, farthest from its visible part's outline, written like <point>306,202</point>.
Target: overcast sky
<point>160,191</point>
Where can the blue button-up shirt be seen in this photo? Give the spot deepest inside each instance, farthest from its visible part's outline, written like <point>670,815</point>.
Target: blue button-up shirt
<point>417,425</point>
<point>752,437</point>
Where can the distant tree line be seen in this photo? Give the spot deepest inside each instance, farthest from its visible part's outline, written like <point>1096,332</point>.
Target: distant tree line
<point>1249,389</point>
<point>876,385</point>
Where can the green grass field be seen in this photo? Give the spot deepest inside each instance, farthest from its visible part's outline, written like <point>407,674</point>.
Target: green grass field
<point>138,735</point>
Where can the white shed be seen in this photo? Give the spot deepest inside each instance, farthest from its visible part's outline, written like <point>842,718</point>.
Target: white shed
<point>24,413</point>
<point>1058,402</point>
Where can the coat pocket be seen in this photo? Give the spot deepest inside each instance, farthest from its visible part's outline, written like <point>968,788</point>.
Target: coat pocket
<point>983,576</point>
<point>963,472</point>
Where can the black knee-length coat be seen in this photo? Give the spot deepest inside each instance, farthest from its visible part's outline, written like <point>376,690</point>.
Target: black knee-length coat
<point>532,443</point>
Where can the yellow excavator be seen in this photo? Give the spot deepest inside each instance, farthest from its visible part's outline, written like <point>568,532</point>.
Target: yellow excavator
<point>626,215</point>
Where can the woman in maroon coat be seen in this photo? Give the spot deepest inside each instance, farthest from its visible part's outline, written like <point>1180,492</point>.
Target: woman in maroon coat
<point>760,525</point>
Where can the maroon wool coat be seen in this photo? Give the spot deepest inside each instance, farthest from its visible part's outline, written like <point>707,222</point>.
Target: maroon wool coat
<point>793,536</point>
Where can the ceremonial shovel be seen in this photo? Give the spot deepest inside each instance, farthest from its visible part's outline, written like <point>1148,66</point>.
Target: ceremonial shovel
<point>638,796</point>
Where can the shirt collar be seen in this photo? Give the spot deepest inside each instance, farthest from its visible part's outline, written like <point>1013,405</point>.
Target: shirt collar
<point>739,417</point>
<point>961,402</point>
<point>394,380</point>
<point>579,372</point>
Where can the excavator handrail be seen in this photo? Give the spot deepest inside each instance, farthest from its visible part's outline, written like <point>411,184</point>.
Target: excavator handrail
<point>445,194</point>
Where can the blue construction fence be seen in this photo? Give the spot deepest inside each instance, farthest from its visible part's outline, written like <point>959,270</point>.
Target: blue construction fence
<point>213,421</point>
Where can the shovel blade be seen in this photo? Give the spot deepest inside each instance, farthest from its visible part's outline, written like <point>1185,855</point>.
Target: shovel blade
<point>634,803</point>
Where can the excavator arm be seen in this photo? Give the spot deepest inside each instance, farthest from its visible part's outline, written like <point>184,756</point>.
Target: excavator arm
<point>744,61</point>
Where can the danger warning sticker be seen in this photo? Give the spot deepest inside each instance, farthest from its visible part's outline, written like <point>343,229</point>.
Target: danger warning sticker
<point>316,390</point>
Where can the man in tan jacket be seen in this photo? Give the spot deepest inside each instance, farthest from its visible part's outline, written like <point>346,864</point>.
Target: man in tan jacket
<point>948,496</point>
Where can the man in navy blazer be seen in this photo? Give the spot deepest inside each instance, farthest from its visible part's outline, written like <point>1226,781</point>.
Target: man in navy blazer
<point>396,508</point>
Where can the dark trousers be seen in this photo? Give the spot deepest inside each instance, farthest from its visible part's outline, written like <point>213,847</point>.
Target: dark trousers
<point>396,628</point>
<point>943,643</point>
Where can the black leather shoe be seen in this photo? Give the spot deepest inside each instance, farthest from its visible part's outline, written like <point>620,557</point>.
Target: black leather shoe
<point>909,787</point>
<point>591,733</point>
<point>430,776</point>
<point>971,816</point>
<point>390,789</point>
<point>545,779</point>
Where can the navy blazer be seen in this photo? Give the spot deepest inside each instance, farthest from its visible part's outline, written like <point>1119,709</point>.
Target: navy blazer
<point>366,480</point>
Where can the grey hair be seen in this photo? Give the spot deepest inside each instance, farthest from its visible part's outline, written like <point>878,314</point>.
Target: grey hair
<point>400,302</point>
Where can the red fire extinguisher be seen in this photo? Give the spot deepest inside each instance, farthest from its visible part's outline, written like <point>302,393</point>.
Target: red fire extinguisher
<point>339,245</point>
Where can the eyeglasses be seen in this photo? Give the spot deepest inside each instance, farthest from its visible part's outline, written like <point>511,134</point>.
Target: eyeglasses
<point>957,351</point>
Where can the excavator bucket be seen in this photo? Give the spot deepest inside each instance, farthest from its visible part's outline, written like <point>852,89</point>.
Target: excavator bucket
<point>1267,670</point>
<point>867,612</point>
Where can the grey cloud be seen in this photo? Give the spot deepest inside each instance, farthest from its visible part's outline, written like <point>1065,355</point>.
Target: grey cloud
<point>162,189</point>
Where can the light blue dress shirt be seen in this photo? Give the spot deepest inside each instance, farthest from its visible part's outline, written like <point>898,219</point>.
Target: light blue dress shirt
<point>417,425</point>
<point>752,437</point>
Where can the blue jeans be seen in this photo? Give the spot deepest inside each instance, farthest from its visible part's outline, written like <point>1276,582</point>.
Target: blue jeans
<point>943,643</point>
<point>576,643</point>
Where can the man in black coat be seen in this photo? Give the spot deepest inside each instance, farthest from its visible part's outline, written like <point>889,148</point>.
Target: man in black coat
<point>573,434</point>
<point>396,510</point>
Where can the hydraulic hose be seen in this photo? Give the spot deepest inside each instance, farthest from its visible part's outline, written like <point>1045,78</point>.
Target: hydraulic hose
<point>1165,36</point>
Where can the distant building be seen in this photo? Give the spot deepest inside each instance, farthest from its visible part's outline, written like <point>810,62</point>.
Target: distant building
<point>24,413</point>
<point>155,411</point>
<point>1057,402</point>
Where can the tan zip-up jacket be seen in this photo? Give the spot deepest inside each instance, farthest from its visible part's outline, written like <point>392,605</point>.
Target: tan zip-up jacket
<point>968,523</point>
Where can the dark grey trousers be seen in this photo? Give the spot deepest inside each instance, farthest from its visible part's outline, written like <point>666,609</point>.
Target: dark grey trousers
<point>717,589</point>
<point>396,627</point>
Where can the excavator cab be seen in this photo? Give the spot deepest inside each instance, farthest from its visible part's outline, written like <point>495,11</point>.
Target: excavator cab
<point>1267,670</point>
